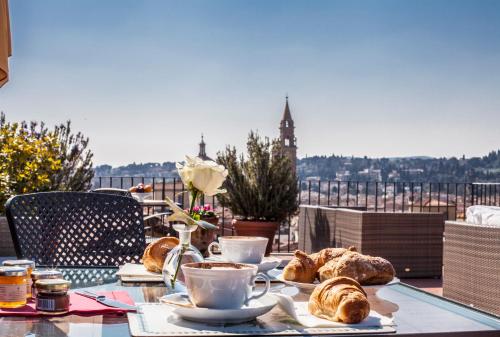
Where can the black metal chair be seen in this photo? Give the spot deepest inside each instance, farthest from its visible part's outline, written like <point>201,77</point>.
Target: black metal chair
<point>76,228</point>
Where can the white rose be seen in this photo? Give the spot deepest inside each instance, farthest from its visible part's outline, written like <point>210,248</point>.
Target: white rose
<point>205,175</point>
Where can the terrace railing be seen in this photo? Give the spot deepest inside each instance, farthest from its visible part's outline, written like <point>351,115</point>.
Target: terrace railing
<point>450,198</point>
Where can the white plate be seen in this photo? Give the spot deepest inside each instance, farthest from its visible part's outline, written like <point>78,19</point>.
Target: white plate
<point>268,262</point>
<point>309,287</point>
<point>304,287</point>
<point>142,196</point>
<point>254,309</point>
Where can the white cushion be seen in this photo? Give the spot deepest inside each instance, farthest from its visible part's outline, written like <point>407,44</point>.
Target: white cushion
<point>483,215</point>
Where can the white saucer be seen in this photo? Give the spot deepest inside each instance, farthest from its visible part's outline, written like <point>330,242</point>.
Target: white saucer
<point>254,309</point>
<point>309,287</point>
<point>268,262</point>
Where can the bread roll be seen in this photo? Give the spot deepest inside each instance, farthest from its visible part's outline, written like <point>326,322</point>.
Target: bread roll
<point>156,252</point>
<point>300,269</point>
<point>340,299</point>
<point>367,270</point>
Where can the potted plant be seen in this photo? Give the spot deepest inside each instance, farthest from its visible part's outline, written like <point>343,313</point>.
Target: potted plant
<point>261,188</point>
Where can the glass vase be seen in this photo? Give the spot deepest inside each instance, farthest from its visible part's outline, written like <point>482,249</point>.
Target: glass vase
<point>183,253</point>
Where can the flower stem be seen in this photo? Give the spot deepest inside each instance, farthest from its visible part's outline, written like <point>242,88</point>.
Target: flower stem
<point>185,245</point>
<point>194,195</point>
<point>172,281</point>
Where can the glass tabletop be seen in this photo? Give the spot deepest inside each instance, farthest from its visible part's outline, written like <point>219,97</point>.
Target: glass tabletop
<point>415,312</point>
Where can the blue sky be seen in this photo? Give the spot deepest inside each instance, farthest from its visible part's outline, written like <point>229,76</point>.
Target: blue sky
<point>143,79</point>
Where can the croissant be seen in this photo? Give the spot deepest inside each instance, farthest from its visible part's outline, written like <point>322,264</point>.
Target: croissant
<point>365,269</point>
<point>156,252</point>
<point>327,271</point>
<point>340,299</point>
<point>300,269</point>
<point>328,254</point>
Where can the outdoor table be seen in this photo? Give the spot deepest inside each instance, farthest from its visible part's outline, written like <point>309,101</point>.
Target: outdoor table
<point>415,312</point>
<point>153,203</point>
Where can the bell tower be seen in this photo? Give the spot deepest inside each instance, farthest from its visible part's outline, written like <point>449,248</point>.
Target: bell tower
<point>287,136</point>
<point>202,153</point>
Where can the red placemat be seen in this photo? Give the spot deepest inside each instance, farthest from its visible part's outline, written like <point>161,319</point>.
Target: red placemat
<point>79,305</point>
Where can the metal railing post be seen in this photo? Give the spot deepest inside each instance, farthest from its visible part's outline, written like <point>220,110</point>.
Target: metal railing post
<point>403,199</point>
<point>338,193</point>
<point>328,194</point>
<point>366,195</point>
<point>309,193</point>
<point>357,193</point>
<point>348,190</point>
<point>319,192</point>
<point>163,189</point>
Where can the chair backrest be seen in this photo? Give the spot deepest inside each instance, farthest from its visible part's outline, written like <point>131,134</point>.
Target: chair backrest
<point>76,228</point>
<point>115,191</point>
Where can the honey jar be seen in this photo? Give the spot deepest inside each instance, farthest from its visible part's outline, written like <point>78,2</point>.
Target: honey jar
<point>12,287</point>
<point>29,265</point>
<point>52,296</point>
<point>43,275</point>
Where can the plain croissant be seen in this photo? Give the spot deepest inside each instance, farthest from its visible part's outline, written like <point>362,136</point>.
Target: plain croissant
<point>340,299</point>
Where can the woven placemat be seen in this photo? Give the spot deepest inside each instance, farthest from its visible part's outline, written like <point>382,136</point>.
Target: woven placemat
<point>158,320</point>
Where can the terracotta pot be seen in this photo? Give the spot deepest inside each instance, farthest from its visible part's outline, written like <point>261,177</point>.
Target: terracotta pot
<point>201,238</point>
<point>265,229</point>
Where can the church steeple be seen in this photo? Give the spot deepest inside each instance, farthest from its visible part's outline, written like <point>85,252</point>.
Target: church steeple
<point>202,153</point>
<point>286,114</point>
<point>287,136</point>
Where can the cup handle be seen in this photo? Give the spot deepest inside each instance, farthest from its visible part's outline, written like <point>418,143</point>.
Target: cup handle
<point>266,289</point>
<point>210,246</point>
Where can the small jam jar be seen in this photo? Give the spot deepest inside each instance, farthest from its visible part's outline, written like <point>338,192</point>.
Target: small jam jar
<point>52,296</point>
<point>29,265</point>
<point>12,287</point>
<point>43,275</point>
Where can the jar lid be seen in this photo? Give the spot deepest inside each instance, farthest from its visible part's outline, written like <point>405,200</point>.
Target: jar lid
<point>13,271</point>
<point>54,285</point>
<point>24,263</point>
<point>45,274</point>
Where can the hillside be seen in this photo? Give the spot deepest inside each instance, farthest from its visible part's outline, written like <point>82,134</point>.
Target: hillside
<point>415,169</point>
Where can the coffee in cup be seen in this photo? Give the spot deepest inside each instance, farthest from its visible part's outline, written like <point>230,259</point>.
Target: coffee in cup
<point>222,285</point>
<point>241,249</point>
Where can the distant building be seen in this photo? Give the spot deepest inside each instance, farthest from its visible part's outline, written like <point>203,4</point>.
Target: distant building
<point>371,174</point>
<point>343,175</point>
<point>202,153</point>
<point>287,136</point>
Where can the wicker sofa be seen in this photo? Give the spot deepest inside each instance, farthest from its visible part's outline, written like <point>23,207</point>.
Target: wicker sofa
<point>471,272</point>
<point>413,242</point>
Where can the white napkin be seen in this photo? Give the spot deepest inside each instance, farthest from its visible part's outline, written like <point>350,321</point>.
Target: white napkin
<point>132,270</point>
<point>300,312</point>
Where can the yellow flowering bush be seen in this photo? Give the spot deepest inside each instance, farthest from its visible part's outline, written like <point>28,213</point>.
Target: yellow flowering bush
<point>26,160</point>
<point>36,159</point>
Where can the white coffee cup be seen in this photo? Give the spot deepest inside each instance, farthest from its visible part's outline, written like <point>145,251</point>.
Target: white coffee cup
<point>222,285</point>
<point>241,249</point>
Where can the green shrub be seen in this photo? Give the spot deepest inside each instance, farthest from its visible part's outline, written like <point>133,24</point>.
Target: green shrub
<point>261,186</point>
